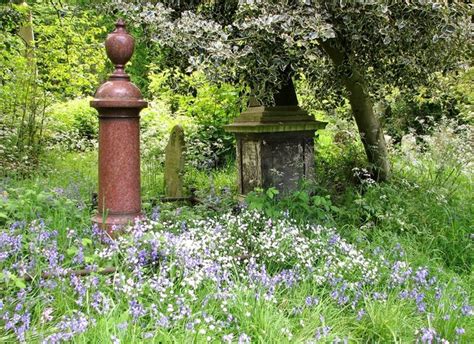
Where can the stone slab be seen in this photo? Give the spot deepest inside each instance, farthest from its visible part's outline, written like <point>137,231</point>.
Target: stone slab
<point>174,163</point>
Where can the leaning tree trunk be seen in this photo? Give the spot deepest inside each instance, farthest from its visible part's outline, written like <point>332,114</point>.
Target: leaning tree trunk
<point>369,126</point>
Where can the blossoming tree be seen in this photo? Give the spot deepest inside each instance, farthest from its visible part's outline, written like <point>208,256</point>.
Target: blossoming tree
<point>357,47</point>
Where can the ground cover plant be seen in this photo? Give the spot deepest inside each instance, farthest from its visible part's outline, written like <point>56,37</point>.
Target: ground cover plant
<point>342,259</point>
<point>370,265</point>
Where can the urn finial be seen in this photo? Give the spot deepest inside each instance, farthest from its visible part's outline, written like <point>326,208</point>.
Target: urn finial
<point>119,46</point>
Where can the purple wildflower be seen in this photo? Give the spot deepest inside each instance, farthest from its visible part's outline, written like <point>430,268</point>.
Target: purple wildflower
<point>148,335</point>
<point>163,321</point>
<point>421,275</point>
<point>136,310</point>
<point>155,213</point>
<point>244,339</point>
<point>69,327</point>
<point>79,257</point>
<point>360,314</point>
<point>322,332</point>
<point>78,287</point>
<point>428,335</point>
<point>122,326</point>
<point>466,310</point>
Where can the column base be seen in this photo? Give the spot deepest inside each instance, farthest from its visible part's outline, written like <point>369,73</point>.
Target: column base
<point>114,224</point>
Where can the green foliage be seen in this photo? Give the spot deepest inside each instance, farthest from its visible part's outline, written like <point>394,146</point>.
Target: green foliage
<point>26,203</point>
<point>255,42</point>
<point>145,55</point>
<point>390,321</point>
<point>209,147</point>
<point>194,96</point>
<point>464,95</point>
<point>22,103</point>
<point>69,50</point>
<point>209,106</point>
<point>302,205</point>
<point>56,195</point>
<point>418,112</point>
<point>156,123</point>
<point>11,18</point>
<point>429,200</point>
<point>72,125</point>
<point>63,60</point>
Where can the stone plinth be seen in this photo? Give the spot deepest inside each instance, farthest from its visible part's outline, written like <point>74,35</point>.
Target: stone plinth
<point>118,102</point>
<point>275,146</point>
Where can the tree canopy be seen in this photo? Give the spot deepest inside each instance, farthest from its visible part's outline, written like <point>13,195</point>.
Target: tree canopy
<point>253,41</point>
<point>360,48</point>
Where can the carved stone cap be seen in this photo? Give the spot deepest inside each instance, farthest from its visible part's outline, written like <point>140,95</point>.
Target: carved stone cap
<point>118,91</point>
<point>119,46</point>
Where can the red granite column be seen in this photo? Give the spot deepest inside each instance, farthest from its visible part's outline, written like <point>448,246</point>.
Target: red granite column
<point>118,102</point>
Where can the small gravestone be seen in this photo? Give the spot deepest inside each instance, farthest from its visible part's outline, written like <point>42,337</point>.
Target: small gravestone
<point>174,163</point>
<point>408,144</point>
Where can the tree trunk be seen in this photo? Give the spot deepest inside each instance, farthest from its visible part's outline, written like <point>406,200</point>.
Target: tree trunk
<point>369,126</point>
<point>26,31</point>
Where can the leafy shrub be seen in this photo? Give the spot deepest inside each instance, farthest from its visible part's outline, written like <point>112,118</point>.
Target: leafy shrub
<point>73,125</point>
<point>443,158</point>
<point>23,204</point>
<point>64,60</point>
<point>338,151</point>
<point>209,147</point>
<point>156,124</point>
<point>22,100</point>
<point>69,50</point>
<point>448,97</point>
<point>429,199</point>
<point>463,92</point>
<point>303,205</point>
<point>210,106</point>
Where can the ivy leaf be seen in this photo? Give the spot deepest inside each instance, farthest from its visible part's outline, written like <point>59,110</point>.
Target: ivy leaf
<point>89,259</point>
<point>71,251</point>
<point>86,242</point>
<point>20,283</point>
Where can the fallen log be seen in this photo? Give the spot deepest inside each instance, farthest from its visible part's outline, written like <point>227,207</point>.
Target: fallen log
<point>80,272</point>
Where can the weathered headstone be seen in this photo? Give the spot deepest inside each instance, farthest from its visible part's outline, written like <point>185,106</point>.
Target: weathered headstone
<point>408,144</point>
<point>174,163</point>
<point>275,144</point>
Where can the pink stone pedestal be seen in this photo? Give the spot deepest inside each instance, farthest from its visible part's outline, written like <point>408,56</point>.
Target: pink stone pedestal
<point>118,102</point>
